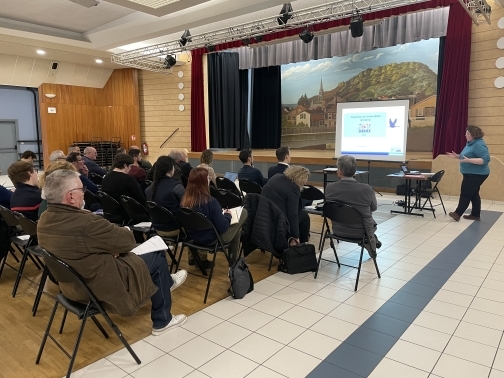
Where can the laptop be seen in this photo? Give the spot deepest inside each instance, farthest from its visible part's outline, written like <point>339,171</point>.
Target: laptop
<point>406,171</point>
<point>231,176</point>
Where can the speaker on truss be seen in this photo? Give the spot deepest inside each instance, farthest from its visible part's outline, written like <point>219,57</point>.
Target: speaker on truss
<point>356,26</point>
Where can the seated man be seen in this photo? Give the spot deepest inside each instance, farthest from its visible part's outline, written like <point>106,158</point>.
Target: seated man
<point>182,165</point>
<point>135,169</point>
<point>27,197</point>
<point>100,252</point>
<point>76,159</point>
<point>284,159</point>
<point>89,158</point>
<point>358,195</point>
<point>248,171</point>
<point>28,156</point>
<point>5,197</point>
<point>145,164</point>
<point>57,155</point>
<point>73,149</point>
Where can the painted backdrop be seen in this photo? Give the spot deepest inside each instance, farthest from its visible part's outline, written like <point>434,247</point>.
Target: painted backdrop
<point>311,90</point>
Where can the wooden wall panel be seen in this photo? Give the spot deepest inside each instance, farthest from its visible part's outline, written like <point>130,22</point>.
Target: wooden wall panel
<point>159,110</point>
<point>485,101</point>
<point>83,113</point>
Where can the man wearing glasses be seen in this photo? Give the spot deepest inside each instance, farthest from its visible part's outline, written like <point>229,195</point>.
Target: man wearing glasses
<point>76,159</point>
<point>100,252</point>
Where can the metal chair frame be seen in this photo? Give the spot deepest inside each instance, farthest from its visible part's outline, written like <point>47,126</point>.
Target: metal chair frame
<point>248,186</point>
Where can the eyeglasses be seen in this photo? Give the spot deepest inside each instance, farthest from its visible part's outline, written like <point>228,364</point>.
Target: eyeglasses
<point>83,189</point>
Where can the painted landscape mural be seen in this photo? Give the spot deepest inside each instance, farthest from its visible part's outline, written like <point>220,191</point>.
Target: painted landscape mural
<point>312,90</point>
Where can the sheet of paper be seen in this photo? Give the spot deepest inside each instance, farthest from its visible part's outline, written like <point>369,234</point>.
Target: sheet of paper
<point>143,224</point>
<point>151,245</point>
<point>236,214</point>
<point>331,169</point>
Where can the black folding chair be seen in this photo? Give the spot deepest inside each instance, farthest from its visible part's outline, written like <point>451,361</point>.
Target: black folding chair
<point>226,199</point>
<point>427,190</point>
<point>137,214</point>
<point>191,220</point>
<point>227,184</point>
<point>248,186</point>
<point>65,274</point>
<point>37,250</point>
<point>311,193</point>
<point>160,215</point>
<point>96,178</point>
<point>112,210</point>
<point>342,213</point>
<point>91,200</point>
<point>14,233</point>
<point>30,228</point>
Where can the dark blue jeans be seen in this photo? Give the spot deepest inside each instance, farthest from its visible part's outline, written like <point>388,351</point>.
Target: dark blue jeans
<point>161,300</point>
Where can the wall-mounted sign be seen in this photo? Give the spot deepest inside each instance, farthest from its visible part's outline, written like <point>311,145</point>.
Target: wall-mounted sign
<point>51,110</point>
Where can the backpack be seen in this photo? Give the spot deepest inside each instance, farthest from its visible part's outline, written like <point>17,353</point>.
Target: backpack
<point>241,279</point>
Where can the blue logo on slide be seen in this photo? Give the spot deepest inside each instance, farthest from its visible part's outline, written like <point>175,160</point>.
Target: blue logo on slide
<point>392,125</point>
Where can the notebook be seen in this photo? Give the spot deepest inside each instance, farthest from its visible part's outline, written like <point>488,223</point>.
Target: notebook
<point>231,176</point>
<point>235,214</point>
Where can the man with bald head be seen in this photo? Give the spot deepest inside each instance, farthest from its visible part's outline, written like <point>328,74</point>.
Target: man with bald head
<point>100,252</point>
<point>89,159</point>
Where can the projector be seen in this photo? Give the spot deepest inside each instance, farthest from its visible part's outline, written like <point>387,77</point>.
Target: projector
<point>86,3</point>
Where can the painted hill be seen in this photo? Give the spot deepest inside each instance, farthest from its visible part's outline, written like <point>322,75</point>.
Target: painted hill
<point>391,80</point>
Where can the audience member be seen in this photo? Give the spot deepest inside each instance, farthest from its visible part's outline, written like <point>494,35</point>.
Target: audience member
<point>54,166</point>
<point>198,198</point>
<point>145,164</point>
<point>120,151</point>
<point>135,170</point>
<point>5,196</point>
<point>119,183</point>
<point>89,158</point>
<point>78,163</point>
<point>74,149</point>
<point>285,191</point>
<point>99,251</point>
<point>26,198</point>
<point>360,196</point>
<point>248,171</point>
<point>57,155</point>
<point>206,160</point>
<point>283,157</point>
<point>182,163</point>
<point>28,156</point>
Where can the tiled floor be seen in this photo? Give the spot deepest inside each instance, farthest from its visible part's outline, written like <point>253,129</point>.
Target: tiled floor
<point>291,325</point>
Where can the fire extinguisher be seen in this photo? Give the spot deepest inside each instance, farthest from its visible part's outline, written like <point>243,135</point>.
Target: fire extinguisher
<point>145,148</point>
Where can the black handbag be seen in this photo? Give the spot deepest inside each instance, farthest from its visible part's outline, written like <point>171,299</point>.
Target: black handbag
<point>299,258</point>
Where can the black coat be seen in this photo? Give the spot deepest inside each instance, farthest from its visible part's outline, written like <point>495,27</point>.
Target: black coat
<point>266,226</point>
<point>279,168</point>
<point>287,196</point>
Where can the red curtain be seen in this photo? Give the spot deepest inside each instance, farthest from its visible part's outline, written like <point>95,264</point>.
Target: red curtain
<point>198,134</point>
<point>453,100</point>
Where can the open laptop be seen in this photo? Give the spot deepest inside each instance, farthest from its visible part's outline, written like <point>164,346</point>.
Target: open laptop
<point>231,176</point>
<point>406,171</point>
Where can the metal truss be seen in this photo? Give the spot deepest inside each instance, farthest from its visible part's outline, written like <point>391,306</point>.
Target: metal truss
<point>478,10</point>
<point>152,58</point>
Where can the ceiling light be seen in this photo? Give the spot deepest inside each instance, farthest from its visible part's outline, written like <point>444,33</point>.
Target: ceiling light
<point>41,52</point>
<point>186,37</point>
<point>285,14</point>
<point>169,61</point>
<point>99,61</point>
<point>306,35</point>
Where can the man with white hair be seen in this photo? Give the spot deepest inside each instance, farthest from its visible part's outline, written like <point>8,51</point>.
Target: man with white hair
<point>57,155</point>
<point>89,159</point>
<point>100,252</point>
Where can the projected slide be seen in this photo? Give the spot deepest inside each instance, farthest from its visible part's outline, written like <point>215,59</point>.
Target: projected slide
<point>374,130</point>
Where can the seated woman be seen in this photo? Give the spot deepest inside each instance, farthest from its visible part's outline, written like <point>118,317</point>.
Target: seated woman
<point>119,183</point>
<point>54,166</point>
<point>198,198</point>
<point>26,198</point>
<point>285,191</point>
<point>206,160</point>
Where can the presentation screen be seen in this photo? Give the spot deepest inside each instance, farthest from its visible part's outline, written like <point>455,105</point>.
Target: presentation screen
<point>373,130</point>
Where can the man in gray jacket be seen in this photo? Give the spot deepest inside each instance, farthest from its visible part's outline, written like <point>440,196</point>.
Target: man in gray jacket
<point>358,195</point>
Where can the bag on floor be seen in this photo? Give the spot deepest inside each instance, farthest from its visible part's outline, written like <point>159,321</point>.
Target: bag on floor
<point>299,258</point>
<point>241,279</point>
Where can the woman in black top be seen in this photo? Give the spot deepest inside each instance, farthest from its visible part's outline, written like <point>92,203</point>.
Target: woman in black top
<point>285,191</point>
<point>119,183</point>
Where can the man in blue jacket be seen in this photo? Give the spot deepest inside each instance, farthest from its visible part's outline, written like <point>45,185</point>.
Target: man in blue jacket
<point>89,159</point>
<point>248,171</point>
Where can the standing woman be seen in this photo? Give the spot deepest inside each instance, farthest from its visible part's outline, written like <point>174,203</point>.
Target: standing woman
<point>206,160</point>
<point>474,160</point>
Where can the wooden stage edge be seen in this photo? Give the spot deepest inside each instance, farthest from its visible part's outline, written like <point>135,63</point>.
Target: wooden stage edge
<point>421,160</point>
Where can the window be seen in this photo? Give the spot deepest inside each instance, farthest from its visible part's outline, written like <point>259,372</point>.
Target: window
<point>329,115</point>
<point>321,122</point>
<point>420,112</point>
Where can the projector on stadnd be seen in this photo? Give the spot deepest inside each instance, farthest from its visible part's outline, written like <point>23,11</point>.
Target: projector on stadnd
<point>86,3</point>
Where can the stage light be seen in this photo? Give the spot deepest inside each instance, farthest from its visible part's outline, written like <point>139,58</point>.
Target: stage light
<point>356,26</point>
<point>284,14</point>
<point>259,38</point>
<point>210,48</point>
<point>169,61</point>
<point>186,37</point>
<point>306,35</point>
<point>246,41</point>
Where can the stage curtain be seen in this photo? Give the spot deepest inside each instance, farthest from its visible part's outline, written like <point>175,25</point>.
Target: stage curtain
<point>244,110</point>
<point>224,101</point>
<point>453,100</point>
<point>266,107</point>
<point>198,140</point>
<point>392,31</point>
